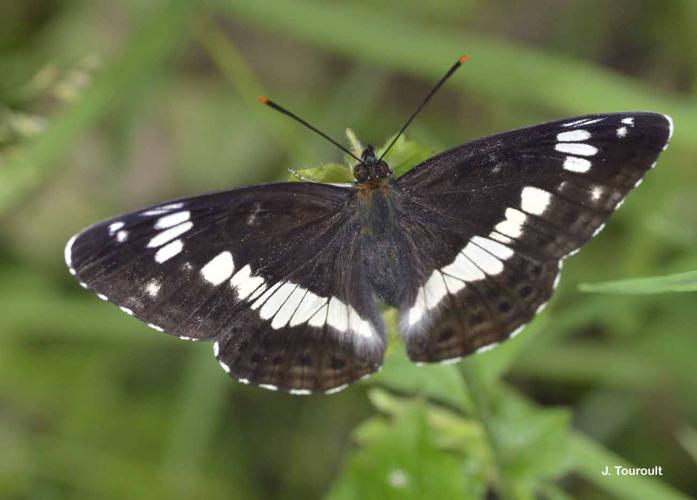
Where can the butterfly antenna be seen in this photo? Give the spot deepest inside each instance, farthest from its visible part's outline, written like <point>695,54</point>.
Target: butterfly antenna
<point>265,100</point>
<point>428,98</point>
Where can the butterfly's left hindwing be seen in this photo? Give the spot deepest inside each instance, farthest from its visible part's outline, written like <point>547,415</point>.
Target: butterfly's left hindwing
<point>490,221</point>
<point>263,272</point>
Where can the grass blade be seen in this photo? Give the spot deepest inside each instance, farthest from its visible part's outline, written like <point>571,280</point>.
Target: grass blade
<point>681,282</point>
<point>158,34</point>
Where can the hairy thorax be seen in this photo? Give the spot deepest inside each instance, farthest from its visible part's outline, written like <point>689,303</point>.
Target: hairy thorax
<point>378,214</point>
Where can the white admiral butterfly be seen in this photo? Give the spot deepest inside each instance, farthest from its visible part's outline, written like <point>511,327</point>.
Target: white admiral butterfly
<point>284,278</point>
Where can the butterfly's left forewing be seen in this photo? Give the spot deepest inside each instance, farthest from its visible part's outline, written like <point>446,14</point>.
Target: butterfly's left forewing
<point>505,211</point>
<point>261,271</point>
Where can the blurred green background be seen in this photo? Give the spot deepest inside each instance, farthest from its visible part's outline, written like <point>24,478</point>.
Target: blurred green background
<point>107,106</point>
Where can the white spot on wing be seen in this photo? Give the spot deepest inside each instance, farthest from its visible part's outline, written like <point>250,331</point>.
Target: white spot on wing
<point>451,361</point>
<point>628,121</point>
<point>583,121</point>
<point>337,315</point>
<point>500,238</point>
<point>453,284</point>
<point>486,348</point>
<point>434,290</point>
<point>621,132</point>
<point>246,284</point>
<point>218,269</point>
<point>216,348</point>
<point>285,313</point>
<point>275,300</point>
<point>670,128</point>
<point>463,268</point>
<point>534,200</point>
<point>596,192</point>
<point>575,164</point>
<point>597,230</point>
<point>263,297</point>
<point>115,226</point>
<point>300,392</point>
<point>168,251</point>
<point>153,288</point>
<point>418,309</point>
<point>252,217</point>
<point>308,307</point>
<point>493,247</point>
<point>575,148</point>
<point>126,310</point>
<point>336,389</point>
<point>319,318</point>
<point>67,253</point>
<point>513,224</point>
<point>358,325</point>
<point>225,367</point>
<point>483,259</point>
<point>269,387</point>
<point>169,234</point>
<point>556,281</point>
<point>172,219</point>
<point>122,236</point>
<point>163,209</point>
<point>573,136</point>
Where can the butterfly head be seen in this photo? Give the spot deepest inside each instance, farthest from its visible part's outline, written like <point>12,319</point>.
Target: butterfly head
<point>371,168</point>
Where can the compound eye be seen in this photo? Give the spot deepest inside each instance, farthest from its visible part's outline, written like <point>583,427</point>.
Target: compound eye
<point>360,172</point>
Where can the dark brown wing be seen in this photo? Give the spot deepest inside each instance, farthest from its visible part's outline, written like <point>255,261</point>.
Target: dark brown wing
<point>489,222</point>
<point>260,271</point>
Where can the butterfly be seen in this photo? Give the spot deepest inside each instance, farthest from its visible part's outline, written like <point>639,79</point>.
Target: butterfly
<point>285,278</point>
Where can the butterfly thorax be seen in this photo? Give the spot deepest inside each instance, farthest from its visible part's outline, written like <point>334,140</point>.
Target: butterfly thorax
<point>371,171</point>
<point>378,213</point>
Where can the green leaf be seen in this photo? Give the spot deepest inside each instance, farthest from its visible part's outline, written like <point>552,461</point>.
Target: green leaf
<point>330,172</point>
<point>404,155</point>
<point>533,440</point>
<point>435,381</point>
<point>681,282</point>
<point>400,458</point>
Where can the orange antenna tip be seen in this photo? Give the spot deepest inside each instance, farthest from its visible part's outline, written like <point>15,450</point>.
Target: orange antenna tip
<point>463,58</point>
<point>263,99</point>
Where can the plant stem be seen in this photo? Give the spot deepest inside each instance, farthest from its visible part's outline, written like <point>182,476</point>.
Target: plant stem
<point>482,408</point>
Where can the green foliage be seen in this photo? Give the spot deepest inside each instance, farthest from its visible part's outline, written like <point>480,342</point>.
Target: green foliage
<point>682,282</point>
<point>402,157</point>
<point>414,451</point>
